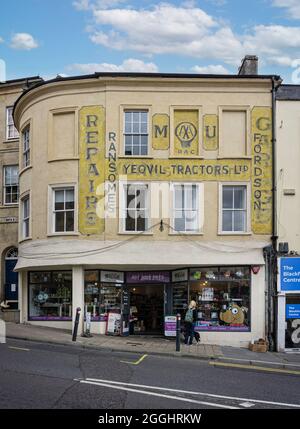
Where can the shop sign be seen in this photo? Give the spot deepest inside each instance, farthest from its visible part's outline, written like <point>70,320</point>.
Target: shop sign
<point>148,277</point>
<point>180,276</point>
<point>186,136</point>
<point>170,326</point>
<point>112,277</point>
<point>289,274</point>
<point>210,132</point>
<point>293,311</point>
<point>113,326</point>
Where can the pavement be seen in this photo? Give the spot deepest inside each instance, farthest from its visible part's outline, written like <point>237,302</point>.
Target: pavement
<point>219,355</point>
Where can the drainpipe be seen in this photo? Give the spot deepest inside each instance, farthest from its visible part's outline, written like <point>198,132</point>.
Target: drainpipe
<point>272,278</point>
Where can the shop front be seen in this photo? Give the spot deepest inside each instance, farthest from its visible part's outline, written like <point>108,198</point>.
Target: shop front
<point>288,298</point>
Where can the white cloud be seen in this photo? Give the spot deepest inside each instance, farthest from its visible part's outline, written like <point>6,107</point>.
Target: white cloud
<point>292,6</point>
<point>82,4</point>
<point>210,69</point>
<point>129,65</point>
<point>1,40</point>
<point>23,41</point>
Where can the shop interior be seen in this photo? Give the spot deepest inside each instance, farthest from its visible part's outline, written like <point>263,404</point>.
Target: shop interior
<point>147,309</point>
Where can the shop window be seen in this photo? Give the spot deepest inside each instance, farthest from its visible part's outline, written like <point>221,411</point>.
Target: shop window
<point>99,297</point>
<point>11,184</point>
<point>63,210</point>
<point>223,298</point>
<point>50,295</point>
<point>136,132</point>
<point>136,208</point>
<point>180,297</point>
<point>186,208</point>
<point>234,208</point>
<point>11,131</point>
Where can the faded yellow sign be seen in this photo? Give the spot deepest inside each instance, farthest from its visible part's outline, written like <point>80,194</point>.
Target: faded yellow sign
<point>91,170</point>
<point>192,170</point>
<point>186,133</point>
<point>210,132</point>
<point>261,126</point>
<point>160,132</point>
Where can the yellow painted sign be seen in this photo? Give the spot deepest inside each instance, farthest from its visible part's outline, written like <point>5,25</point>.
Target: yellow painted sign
<point>160,132</point>
<point>261,127</point>
<point>191,170</point>
<point>210,132</point>
<point>186,133</point>
<point>91,170</point>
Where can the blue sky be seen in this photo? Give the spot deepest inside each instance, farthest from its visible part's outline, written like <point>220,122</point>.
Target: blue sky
<point>71,37</point>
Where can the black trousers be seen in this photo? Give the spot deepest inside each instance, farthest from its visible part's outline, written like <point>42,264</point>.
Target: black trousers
<point>188,333</point>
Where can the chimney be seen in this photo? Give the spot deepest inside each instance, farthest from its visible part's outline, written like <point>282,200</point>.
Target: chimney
<point>249,66</point>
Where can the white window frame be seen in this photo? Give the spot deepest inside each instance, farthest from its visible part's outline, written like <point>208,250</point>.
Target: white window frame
<point>10,123</point>
<point>7,186</point>
<point>247,230</point>
<point>26,153</point>
<point>51,204</point>
<point>200,207</point>
<point>25,220</point>
<point>140,133</point>
<point>123,207</point>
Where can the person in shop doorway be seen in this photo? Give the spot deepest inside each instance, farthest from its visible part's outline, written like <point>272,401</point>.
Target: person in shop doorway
<point>189,320</point>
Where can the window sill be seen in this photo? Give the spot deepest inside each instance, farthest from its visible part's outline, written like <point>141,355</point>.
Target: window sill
<point>74,158</point>
<point>186,233</point>
<point>135,157</point>
<point>141,233</point>
<point>9,206</point>
<point>234,157</point>
<point>235,233</point>
<point>14,140</point>
<point>186,157</point>
<point>63,234</point>
<point>25,169</point>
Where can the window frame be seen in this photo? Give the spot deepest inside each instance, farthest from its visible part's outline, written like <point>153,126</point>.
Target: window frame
<point>139,134</point>
<point>51,208</point>
<point>26,149</point>
<point>9,123</point>
<point>25,220</point>
<point>5,186</point>
<point>123,207</point>
<point>247,229</point>
<point>199,204</point>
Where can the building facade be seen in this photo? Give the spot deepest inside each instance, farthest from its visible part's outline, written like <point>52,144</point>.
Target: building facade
<point>9,199</point>
<point>288,212</point>
<point>140,192</point>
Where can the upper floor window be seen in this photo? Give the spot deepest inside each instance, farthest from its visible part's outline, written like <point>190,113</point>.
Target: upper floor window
<point>136,132</point>
<point>186,208</point>
<point>136,207</point>
<point>26,146</point>
<point>11,184</point>
<point>63,209</point>
<point>11,131</point>
<point>234,208</point>
<point>26,216</point>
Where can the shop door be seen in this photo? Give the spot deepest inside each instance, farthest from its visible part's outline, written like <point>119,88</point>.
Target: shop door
<point>147,303</point>
<point>292,317</point>
<point>11,278</point>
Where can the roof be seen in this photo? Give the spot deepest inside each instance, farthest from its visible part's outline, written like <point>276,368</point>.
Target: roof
<point>288,92</point>
<point>21,80</point>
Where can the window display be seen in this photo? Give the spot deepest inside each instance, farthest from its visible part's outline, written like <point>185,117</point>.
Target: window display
<point>223,298</point>
<point>99,297</point>
<point>50,295</point>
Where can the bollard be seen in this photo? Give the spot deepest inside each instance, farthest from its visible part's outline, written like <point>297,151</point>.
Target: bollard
<point>178,319</point>
<point>78,310</point>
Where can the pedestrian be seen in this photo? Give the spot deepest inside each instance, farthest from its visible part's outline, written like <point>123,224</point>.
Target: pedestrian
<point>189,320</point>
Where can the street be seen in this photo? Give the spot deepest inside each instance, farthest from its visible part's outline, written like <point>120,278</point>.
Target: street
<point>42,376</point>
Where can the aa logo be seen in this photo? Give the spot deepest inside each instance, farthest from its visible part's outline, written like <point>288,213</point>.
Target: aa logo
<point>186,133</point>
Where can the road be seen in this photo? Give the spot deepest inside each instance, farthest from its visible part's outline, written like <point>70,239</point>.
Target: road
<point>41,376</point>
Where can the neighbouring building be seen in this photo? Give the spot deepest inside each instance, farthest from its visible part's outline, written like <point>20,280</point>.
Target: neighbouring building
<point>140,192</point>
<point>288,214</point>
<point>9,198</point>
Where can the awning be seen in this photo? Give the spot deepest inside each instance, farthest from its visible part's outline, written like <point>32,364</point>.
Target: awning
<point>138,253</point>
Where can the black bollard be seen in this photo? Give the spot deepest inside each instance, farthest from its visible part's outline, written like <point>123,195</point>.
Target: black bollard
<point>78,310</point>
<point>178,318</point>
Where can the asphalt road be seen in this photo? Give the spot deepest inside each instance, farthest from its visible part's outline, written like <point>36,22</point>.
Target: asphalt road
<point>41,376</point>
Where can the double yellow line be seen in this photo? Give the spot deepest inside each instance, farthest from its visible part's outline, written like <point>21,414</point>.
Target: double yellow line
<point>254,367</point>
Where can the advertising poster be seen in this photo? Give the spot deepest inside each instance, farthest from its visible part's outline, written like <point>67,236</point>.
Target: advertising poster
<point>113,325</point>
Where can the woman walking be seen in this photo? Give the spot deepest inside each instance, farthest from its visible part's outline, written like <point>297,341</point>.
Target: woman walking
<point>189,320</point>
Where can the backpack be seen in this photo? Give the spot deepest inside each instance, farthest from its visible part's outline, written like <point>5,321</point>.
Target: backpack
<point>189,317</point>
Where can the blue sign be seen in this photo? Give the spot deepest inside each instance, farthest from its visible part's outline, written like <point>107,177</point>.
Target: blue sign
<point>292,311</point>
<point>289,272</point>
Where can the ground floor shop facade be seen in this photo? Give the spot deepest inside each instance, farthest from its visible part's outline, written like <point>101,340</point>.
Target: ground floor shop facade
<point>142,299</point>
